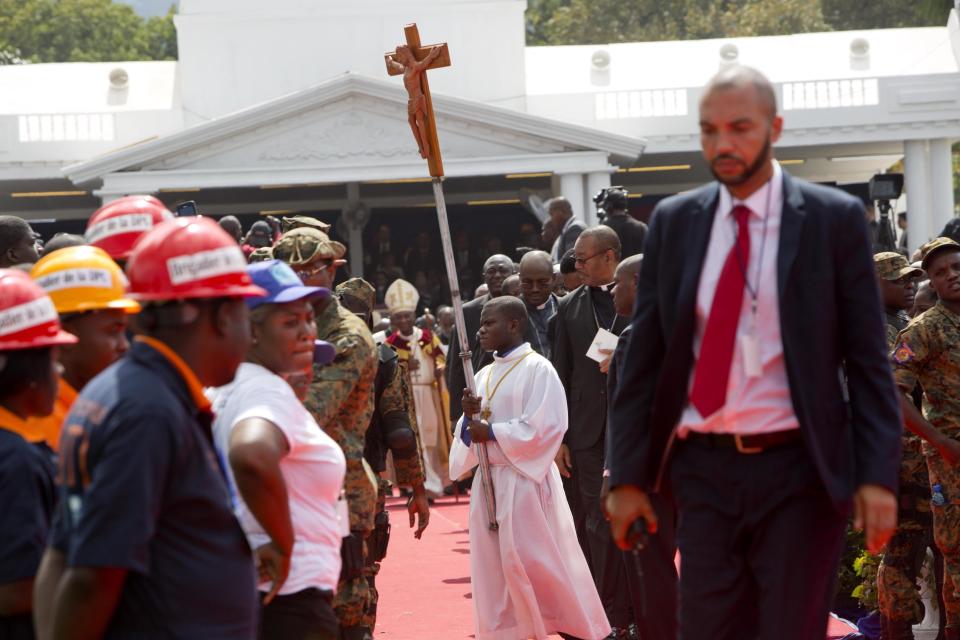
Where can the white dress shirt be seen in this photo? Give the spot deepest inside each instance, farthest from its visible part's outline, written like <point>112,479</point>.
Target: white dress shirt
<point>758,404</point>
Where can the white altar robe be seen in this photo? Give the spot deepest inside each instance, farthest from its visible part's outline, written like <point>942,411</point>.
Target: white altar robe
<point>530,579</point>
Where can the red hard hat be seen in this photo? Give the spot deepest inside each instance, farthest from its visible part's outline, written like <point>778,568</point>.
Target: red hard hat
<point>28,319</point>
<point>186,258</point>
<point>115,227</point>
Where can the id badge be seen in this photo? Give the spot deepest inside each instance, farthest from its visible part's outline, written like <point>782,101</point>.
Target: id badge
<point>750,346</point>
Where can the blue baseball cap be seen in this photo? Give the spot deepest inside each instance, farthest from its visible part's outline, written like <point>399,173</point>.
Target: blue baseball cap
<point>323,352</point>
<point>281,283</point>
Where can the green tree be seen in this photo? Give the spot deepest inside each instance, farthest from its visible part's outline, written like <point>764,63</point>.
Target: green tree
<point>161,37</point>
<point>753,18</point>
<point>846,15</point>
<point>82,31</point>
<point>539,13</point>
<point>602,21</point>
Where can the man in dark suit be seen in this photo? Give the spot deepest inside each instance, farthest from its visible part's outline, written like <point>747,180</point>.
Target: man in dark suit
<point>632,232</point>
<point>651,573</point>
<point>536,287</point>
<point>496,269</point>
<point>753,293</point>
<point>579,317</point>
<point>570,228</point>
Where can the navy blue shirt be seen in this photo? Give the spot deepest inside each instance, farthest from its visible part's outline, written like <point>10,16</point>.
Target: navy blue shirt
<point>27,496</point>
<point>141,488</point>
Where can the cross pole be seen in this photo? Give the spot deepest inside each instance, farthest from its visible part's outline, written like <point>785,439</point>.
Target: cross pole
<point>413,60</point>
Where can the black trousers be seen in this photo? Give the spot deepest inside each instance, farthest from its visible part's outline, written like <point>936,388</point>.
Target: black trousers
<point>305,615</point>
<point>759,542</point>
<point>652,577</point>
<point>607,562</point>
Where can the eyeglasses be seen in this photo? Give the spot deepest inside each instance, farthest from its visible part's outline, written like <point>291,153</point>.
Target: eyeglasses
<point>582,261</point>
<point>306,272</point>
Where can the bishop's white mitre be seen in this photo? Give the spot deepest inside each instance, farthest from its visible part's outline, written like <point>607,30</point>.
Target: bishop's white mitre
<point>401,296</point>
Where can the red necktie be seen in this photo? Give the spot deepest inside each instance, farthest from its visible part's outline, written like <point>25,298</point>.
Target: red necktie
<point>709,391</point>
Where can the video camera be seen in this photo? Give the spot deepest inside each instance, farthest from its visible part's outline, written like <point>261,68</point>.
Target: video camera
<point>611,199</point>
<point>884,189</point>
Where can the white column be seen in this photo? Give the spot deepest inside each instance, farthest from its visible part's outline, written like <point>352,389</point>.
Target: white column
<point>571,188</point>
<point>355,239</point>
<point>941,183</point>
<point>917,183</point>
<point>596,180</point>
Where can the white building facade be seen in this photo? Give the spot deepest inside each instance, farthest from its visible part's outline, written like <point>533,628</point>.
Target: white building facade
<point>286,107</point>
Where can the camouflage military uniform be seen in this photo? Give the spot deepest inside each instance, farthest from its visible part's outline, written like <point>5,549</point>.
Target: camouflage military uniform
<point>390,428</point>
<point>897,593</point>
<point>928,352</point>
<point>341,400</point>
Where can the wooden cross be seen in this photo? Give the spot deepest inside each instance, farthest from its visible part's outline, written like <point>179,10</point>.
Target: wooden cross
<point>412,61</point>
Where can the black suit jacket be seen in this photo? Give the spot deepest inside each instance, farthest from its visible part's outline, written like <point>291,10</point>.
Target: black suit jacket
<point>632,233</point>
<point>456,381</point>
<point>569,237</point>
<point>830,315</point>
<point>575,327</point>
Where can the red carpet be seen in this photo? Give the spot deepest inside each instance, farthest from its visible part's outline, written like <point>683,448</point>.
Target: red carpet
<point>425,584</point>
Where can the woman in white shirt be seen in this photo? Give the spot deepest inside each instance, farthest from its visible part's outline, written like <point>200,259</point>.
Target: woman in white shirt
<point>286,472</point>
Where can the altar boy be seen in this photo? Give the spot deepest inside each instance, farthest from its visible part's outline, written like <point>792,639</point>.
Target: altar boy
<point>530,578</point>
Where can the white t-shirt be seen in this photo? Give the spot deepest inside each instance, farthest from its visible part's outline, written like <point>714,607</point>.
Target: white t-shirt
<point>313,470</point>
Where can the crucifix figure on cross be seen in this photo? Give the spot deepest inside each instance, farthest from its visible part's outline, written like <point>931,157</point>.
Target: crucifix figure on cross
<point>412,61</point>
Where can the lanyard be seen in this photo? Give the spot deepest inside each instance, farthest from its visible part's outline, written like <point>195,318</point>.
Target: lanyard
<point>596,318</point>
<point>743,262</point>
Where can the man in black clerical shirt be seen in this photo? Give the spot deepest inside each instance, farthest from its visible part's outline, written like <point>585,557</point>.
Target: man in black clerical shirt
<point>536,288</point>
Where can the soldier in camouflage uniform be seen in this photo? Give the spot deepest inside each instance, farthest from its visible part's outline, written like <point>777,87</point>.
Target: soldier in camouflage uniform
<point>927,353</point>
<point>390,429</point>
<point>341,400</point>
<point>897,593</point>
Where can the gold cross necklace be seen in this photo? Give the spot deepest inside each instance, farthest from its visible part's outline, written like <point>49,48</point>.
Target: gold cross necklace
<point>486,412</point>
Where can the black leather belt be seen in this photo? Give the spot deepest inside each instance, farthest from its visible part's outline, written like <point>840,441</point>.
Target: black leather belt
<point>755,443</point>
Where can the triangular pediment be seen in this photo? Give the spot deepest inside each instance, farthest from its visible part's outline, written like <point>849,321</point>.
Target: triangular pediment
<point>356,130</point>
<point>351,120</point>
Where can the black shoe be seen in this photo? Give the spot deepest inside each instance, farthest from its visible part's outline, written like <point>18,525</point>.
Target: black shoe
<point>448,490</point>
<point>355,633</point>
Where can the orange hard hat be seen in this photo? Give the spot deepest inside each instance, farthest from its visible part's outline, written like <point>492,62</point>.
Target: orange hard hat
<point>188,258</point>
<point>115,227</point>
<point>28,319</point>
<point>80,279</point>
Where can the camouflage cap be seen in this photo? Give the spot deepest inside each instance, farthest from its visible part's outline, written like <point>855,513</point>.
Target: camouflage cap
<point>302,245</point>
<point>935,246</point>
<point>893,266</point>
<point>359,289</point>
<point>299,222</point>
<point>261,255</point>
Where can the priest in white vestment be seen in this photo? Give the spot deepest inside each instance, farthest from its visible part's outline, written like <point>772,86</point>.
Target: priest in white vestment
<point>530,578</point>
<point>420,351</point>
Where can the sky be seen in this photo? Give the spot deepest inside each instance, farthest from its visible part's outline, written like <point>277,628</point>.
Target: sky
<point>149,8</point>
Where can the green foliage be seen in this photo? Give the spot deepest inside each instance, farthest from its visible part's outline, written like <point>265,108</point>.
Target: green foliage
<point>866,567</point>
<point>82,31</point>
<point>604,21</point>
<point>848,578</point>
